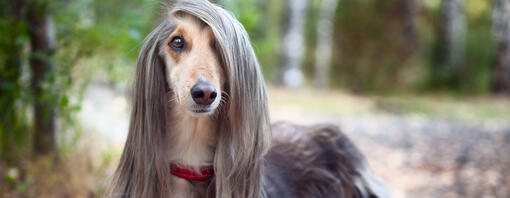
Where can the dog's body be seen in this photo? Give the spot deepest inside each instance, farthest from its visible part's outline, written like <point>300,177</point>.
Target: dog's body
<point>317,161</point>
<point>200,103</point>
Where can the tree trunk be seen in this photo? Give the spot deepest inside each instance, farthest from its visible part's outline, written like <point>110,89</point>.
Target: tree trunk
<point>293,46</point>
<point>450,46</point>
<point>323,50</point>
<point>42,38</point>
<point>410,32</point>
<point>500,26</point>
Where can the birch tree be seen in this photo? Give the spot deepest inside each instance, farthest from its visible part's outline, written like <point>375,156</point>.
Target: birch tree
<point>293,47</point>
<point>323,50</point>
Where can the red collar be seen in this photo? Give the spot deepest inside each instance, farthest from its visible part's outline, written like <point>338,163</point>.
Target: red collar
<point>189,173</point>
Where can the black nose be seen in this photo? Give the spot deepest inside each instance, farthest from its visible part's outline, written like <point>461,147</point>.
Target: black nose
<point>203,93</point>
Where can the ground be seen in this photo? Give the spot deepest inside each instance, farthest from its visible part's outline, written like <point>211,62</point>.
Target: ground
<point>421,146</point>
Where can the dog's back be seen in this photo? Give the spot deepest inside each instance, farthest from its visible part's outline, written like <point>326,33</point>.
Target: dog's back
<point>317,161</point>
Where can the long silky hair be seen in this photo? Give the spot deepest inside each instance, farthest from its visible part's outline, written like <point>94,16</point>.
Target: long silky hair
<point>242,124</point>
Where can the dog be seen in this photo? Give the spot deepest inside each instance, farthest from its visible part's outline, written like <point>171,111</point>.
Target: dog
<point>200,125</point>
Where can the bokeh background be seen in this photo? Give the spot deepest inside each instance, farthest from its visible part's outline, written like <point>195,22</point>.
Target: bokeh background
<point>421,86</point>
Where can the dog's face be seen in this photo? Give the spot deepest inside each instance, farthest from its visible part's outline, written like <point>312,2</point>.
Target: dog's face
<point>194,73</point>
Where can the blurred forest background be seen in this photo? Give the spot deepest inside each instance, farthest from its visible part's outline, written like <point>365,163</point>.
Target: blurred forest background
<point>421,86</point>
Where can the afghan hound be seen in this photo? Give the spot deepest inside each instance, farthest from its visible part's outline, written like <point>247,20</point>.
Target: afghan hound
<point>200,125</point>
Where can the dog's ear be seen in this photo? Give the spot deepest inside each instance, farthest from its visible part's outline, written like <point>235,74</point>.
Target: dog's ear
<point>142,170</point>
<point>245,132</point>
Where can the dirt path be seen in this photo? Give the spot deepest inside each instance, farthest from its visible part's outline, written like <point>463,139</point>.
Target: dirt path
<point>417,156</point>
<point>423,157</point>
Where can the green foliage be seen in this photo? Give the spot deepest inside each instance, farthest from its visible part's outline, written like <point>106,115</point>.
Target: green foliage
<point>480,55</point>
<point>373,53</point>
<point>100,39</point>
<point>262,22</point>
<point>370,51</point>
<point>106,35</point>
<point>13,98</point>
<point>108,31</point>
<point>474,75</point>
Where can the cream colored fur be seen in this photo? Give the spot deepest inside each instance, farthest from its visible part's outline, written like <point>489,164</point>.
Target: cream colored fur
<point>194,140</point>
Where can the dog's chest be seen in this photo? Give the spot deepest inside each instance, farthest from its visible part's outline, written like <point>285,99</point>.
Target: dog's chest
<point>192,140</point>
<point>182,188</point>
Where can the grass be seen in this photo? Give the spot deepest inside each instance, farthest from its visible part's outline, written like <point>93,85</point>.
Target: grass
<point>338,103</point>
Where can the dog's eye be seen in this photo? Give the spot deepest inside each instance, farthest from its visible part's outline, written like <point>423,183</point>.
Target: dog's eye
<point>177,43</point>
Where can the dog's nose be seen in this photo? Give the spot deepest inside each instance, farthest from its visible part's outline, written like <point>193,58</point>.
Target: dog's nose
<point>203,93</point>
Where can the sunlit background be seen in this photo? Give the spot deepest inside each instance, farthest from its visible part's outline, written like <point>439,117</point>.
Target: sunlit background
<point>422,87</point>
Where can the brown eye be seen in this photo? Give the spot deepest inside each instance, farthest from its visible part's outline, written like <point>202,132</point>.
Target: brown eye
<point>177,44</point>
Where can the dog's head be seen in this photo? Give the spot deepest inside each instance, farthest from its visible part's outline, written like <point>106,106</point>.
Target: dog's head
<point>193,70</point>
<point>199,58</point>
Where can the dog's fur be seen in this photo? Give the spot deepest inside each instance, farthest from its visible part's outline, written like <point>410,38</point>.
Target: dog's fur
<point>232,133</point>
